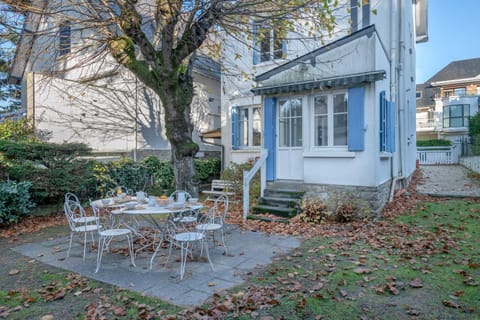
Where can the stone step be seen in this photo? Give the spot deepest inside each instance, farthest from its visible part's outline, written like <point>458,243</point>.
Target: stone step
<point>283,202</point>
<point>282,193</point>
<point>278,211</point>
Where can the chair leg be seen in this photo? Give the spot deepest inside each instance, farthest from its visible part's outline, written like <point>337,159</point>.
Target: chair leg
<point>205,243</point>
<point>101,244</point>
<point>130,249</point>
<point>70,244</point>
<point>169,253</point>
<point>84,244</point>
<point>183,256</point>
<point>223,241</point>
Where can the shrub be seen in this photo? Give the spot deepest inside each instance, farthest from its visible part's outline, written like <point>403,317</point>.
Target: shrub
<point>14,201</point>
<point>53,169</point>
<point>474,132</point>
<point>19,130</point>
<point>434,143</point>
<point>346,207</point>
<point>234,173</point>
<point>313,210</point>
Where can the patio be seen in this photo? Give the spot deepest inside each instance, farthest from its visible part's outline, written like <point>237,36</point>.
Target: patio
<point>247,250</point>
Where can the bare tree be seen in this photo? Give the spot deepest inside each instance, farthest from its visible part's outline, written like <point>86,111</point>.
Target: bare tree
<point>157,41</point>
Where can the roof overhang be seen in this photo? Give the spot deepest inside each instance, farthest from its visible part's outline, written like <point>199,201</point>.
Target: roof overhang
<point>213,134</point>
<point>325,83</point>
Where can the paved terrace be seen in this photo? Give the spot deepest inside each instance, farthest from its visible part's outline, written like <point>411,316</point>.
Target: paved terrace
<point>247,250</point>
<point>447,181</point>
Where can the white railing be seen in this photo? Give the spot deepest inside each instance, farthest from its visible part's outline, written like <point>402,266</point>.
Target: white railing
<point>248,176</point>
<point>472,163</point>
<point>438,155</point>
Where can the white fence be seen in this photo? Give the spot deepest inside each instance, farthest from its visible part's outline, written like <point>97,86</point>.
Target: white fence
<point>439,155</point>
<point>472,163</point>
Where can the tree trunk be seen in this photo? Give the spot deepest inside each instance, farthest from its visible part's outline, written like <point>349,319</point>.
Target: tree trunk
<point>176,96</point>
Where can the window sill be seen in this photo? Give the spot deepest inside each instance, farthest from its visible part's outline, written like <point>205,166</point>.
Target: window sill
<point>329,154</point>
<point>385,155</point>
<point>247,150</point>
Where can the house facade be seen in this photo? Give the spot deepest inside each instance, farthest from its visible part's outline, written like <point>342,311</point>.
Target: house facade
<point>339,117</point>
<point>73,97</point>
<point>447,101</point>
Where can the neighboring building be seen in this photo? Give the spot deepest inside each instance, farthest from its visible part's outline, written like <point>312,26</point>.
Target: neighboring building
<point>446,101</point>
<point>98,102</point>
<point>340,117</point>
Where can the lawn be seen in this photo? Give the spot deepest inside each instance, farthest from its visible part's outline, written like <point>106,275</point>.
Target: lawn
<point>420,264</point>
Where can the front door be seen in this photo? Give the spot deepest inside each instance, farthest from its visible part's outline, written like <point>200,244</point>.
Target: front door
<point>290,139</point>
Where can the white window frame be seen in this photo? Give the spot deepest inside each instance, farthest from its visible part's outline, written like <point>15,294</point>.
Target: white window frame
<point>272,37</point>
<point>330,122</point>
<point>250,110</point>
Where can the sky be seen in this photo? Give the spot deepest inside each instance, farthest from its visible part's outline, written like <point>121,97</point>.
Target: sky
<point>453,35</point>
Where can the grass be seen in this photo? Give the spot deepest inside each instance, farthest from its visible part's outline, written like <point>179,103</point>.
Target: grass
<point>423,265</point>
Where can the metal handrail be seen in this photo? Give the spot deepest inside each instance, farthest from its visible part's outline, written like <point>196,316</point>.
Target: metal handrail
<point>248,176</point>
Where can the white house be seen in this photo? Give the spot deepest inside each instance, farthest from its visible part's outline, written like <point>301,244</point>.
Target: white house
<point>340,117</point>
<point>78,99</point>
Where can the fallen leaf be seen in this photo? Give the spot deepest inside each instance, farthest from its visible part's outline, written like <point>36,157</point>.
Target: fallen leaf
<point>47,317</point>
<point>451,304</point>
<point>362,270</point>
<point>212,284</point>
<point>13,272</point>
<point>416,283</point>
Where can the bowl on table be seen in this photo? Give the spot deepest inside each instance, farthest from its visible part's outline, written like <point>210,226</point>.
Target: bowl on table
<point>105,201</point>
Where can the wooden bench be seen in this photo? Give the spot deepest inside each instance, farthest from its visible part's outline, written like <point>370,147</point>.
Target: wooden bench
<point>219,188</point>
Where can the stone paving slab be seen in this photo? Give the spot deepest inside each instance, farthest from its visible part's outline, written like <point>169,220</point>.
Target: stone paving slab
<point>447,181</point>
<point>247,250</point>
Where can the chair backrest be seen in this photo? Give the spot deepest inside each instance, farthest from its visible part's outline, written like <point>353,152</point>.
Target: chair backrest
<point>221,208</point>
<point>69,196</point>
<point>180,196</point>
<point>73,210</point>
<point>96,213</point>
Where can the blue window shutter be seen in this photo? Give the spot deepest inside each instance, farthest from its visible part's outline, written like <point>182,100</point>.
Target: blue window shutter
<point>234,128</point>
<point>270,135</point>
<point>284,49</point>
<point>366,14</point>
<point>391,126</point>
<point>356,119</point>
<point>255,44</point>
<point>354,14</point>
<point>383,122</point>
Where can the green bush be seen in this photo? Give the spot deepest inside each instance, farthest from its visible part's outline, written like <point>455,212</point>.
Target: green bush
<point>234,173</point>
<point>53,169</point>
<point>20,130</point>
<point>14,201</point>
<point>474,132</point>
<point>434,143</point>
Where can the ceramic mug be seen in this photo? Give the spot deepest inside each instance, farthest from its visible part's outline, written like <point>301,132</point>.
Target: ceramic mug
<point>181,197</point>
<point>141,196</point>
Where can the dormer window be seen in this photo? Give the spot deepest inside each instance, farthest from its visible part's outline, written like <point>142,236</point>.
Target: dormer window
<point>65,38</point>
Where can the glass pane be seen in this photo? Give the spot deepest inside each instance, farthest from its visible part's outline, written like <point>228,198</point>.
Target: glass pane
<point>466,110</point>
<point>340,129</point>
<point>321,106</point>
<point>243,127</point>
<point>284,109</point>
<point>296,105</point>
<point>456,111</point>
<point>277,46</point>
<point>257,127</point>
<point>265,46</point>
<point>446,123</point>
<point>296,132</point>
<point>283,131</point>
<point>456,122</point>
<point>339,103</point>
<point>321,131</point>
<point>459,91</point>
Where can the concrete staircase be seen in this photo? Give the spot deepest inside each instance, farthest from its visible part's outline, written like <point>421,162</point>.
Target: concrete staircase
<point>280,199</point>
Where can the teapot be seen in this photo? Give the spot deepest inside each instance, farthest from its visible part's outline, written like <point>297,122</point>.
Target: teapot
<point>152,201</point>
<point>141,196</point>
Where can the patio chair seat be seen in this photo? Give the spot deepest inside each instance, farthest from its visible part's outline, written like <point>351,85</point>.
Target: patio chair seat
<point>88,219</point>
<point>189,236</point>
<point>86,228</point>
<point>208,227</point>
<point>114,232</point>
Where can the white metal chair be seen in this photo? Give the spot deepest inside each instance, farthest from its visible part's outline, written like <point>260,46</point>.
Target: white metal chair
<point>185,241</point>
<point>79,223</point>
<point>80,216</point>
<point>106,235</point>
<point>186,216</point>
<point>214,220</point>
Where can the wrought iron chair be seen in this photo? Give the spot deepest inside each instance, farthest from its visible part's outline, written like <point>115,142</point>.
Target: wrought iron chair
<point>79,223</point>
<point>214,220</point>
<point>187,216</point>
<point>81,217</point>
<point>106,235</point>
<point>178,237</point>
